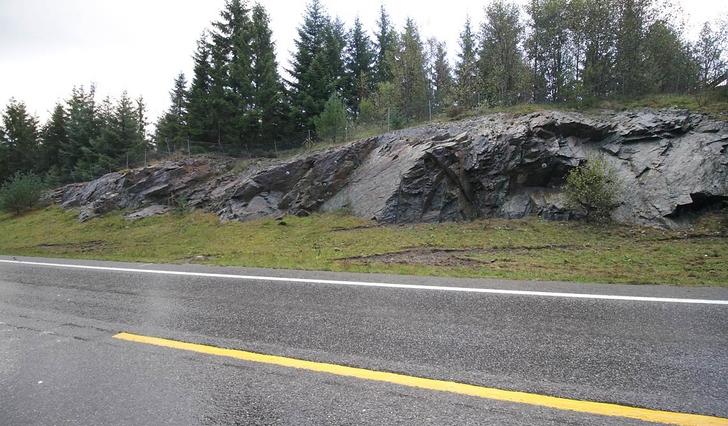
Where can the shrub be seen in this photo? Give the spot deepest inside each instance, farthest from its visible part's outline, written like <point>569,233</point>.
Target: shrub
<point>594,188</point>
<point>22,192</point>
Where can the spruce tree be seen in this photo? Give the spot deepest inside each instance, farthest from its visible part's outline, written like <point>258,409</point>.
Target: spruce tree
<point>82,127</point>
<point>172,128</point>
<point>359,67</point>
<point>410,74</point>
<point>54,137</point>
<point>268,103</point>
<point>386,39</point>
<point>311,83</point>
<point>441,82</point>
<point>199,117</point>
<point>20,140</point>
<point>466,70</point>
<point>331,123</point>
<point>232,74</point>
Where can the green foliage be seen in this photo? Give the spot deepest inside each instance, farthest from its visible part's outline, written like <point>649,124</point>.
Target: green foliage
<point>20,140</point>
<point>359,67</point>
<point>332,122</point>
<point>409,83</point>
<point>501,64</point>
<point>466,71</point>
<point>21,193</point>
<point>594,188</point>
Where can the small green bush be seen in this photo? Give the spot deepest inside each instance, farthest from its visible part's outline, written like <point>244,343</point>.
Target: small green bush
<point>21,193</point>
<point>594,188</point>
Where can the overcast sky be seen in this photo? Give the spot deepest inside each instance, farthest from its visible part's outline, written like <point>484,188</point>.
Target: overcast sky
<point>48,46</point>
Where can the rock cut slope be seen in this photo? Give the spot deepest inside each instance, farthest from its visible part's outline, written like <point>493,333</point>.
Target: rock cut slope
<point>671,163</point>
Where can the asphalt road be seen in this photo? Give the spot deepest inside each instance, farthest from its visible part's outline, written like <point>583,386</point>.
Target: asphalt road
<point>59,362</point>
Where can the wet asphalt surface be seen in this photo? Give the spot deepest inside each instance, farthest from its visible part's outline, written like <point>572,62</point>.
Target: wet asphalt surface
<point>60,365</point>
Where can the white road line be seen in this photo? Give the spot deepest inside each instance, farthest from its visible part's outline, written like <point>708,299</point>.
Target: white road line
<point>374,284</point>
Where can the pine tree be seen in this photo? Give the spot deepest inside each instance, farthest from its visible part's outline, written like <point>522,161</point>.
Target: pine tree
<point>310,86</point>
<point>268,106</point>
<point>502,69</point>
<point>359,67</point>
<point>440,76</point>
<point>466,70</point>
<point>386,43</point>
<point>20,141</point>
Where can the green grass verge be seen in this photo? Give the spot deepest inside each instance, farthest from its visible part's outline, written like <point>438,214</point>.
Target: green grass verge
<point>521,249</point>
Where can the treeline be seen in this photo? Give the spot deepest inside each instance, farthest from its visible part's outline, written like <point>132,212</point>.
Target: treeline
<point>569,51</point>
<point>340,78</point>
<point>82,139</point>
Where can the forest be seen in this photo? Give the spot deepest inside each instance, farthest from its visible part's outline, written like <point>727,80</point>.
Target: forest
<point>240,101</point>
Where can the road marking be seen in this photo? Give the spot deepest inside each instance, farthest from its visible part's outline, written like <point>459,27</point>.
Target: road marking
<point>375,284</point>
<point>589,407</point>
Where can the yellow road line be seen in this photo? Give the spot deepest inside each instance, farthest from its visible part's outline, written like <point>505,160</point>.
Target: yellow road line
<point>598,408</point>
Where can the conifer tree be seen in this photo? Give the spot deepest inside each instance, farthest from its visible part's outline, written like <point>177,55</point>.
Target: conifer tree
<point>54,137</point>
<point>466,70</point>
<point>359,67</point>
<point>20,139</point>
<point>331,123</point>
<point>172,128</point>
<point>386,43</point>
<point>410,74</point>
<point>267,102</point>
<point>232,74</point>
<point>441,83</point>
<point>82,127</point>
<point>310,86</point>
<point>199,119</point>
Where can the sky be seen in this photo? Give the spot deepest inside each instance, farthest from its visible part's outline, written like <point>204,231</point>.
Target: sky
<point>49,46</point>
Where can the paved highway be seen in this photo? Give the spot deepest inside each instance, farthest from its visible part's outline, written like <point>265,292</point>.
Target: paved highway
<point>102,343</point>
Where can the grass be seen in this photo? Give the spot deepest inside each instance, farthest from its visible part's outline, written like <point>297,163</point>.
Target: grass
<point>521,249</point>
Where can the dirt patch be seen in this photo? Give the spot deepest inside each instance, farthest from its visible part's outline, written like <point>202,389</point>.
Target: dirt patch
<point>446,257</point>
<point>82,247</point>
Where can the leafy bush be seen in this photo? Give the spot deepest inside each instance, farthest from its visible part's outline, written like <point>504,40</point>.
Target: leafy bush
<point>594,188</point>
<point>21,193</point>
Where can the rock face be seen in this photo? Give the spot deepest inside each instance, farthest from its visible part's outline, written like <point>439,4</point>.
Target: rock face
<point>671,164</point>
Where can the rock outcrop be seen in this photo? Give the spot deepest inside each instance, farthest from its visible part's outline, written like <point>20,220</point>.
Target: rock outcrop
<point>671,164</point>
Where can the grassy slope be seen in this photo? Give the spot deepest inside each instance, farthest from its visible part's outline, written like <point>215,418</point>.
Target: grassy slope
<point>525,249</point>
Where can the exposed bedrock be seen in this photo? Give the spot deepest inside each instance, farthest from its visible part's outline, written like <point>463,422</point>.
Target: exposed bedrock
<point>672,165</point>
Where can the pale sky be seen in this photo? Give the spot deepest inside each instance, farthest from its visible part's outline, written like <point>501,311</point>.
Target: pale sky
<point>48,46</point>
